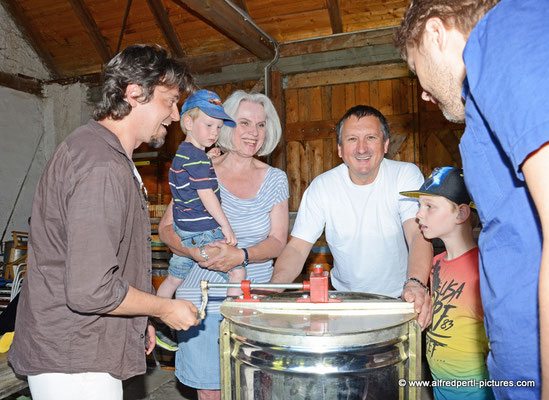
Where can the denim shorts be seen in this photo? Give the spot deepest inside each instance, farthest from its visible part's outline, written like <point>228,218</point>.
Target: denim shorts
<point>180,266</point>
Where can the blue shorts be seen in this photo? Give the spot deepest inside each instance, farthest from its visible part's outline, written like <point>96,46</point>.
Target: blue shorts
<point>197,360</point>
<point>180,266</point>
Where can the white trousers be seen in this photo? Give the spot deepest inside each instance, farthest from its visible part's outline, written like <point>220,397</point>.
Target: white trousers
<point>84,386</point>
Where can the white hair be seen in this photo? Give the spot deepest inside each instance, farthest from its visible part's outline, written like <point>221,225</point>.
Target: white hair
<point>273,130</point>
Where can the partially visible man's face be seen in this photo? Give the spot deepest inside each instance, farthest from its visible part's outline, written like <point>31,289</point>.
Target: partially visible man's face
<point>440,84</point>
<point>158,114</point>
<point>362,148</point>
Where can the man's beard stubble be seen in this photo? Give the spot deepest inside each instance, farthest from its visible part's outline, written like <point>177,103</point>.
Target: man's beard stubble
<point>157,142</point>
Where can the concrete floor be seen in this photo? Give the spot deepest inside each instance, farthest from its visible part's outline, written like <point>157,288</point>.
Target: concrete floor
<point>157,384</point>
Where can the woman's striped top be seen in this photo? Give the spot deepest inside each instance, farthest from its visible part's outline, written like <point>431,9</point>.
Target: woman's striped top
<point>251,223</point>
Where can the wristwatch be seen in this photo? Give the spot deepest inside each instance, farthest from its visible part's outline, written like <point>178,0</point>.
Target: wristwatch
<point>203,253</point>
<point>246,259</point>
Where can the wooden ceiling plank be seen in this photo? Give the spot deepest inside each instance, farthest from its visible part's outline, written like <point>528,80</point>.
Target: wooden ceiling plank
<point>261,9</point>
<point>89,24</point>
<point>32,37</point>
<point>164,24</point>
<point>225,19</point>
<point>335,16</point>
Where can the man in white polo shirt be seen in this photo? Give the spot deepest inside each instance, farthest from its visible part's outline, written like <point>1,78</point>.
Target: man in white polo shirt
<point>370,228</point>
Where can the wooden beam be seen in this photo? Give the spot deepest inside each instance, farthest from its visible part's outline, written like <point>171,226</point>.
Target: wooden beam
<point>242,5</point>
<point>89,79</point>
<point>338,59</point>
<point>163,21</point>
<point>213,63</point>
<point>335,16</point>
<point>339,51</point>
<point>259,86</point>
<point>31,36</point>
<point>348,75</point>
<point>395,143</point>
<point>338,42</point>
<point>450,142</point>
<point>22,83</point>
<point>224,18</point>
<point>369,56</point>
<point>85,17</point>
<point>233,73</point>
<point>278,158</point>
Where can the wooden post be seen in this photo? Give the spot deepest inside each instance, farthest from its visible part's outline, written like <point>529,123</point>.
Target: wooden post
<point>277,97</point>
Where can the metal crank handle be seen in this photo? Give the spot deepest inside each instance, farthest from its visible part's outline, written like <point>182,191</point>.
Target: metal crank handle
<point>204,290</point>
<point>254,285</point>
<point>205,285</point>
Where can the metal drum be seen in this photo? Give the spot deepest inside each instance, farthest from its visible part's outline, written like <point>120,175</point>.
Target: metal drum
<point>283,349</point>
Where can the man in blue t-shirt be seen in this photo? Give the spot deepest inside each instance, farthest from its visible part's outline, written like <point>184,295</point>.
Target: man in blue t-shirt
<point>485,63</point>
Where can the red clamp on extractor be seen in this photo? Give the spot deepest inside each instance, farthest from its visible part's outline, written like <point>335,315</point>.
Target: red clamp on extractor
<point>246,291</point>
<point>318,287</point>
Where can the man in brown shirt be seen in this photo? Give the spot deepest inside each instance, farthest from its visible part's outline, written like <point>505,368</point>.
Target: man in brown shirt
<point>81,324</point>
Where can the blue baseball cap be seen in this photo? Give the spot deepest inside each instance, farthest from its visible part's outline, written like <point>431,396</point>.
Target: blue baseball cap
<point>446,182</point>
<point>210,103</point>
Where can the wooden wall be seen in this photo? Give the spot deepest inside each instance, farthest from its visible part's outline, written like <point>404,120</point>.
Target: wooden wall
<point>313,112</point>
<point>314,102</point>
<point>439,139</point>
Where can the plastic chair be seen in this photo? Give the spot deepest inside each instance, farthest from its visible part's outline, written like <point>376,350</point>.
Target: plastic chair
<point>19,273</point>
<point>19,250</point>
<point>20,239</point>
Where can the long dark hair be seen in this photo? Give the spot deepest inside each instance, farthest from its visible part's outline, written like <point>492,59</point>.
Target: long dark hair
<point>145,65</point>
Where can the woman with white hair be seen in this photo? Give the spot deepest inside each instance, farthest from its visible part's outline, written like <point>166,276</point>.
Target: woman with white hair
<point>254,197</point>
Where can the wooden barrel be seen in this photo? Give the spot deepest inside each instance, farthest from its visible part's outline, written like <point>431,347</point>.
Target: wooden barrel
<point>158,276</point>
<point>319,255</point>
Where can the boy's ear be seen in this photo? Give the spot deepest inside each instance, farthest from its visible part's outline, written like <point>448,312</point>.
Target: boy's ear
<point>464,211</point>
<point>188,123</point>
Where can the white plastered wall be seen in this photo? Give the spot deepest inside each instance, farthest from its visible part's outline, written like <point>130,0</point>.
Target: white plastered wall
<point>30,127</point>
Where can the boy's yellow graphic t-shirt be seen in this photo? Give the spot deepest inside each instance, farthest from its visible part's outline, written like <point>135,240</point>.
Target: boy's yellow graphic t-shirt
<point>456,341</point>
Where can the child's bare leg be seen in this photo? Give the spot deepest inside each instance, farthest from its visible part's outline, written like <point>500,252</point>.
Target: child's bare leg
<point>169,286</point>
<point>236,275</point>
